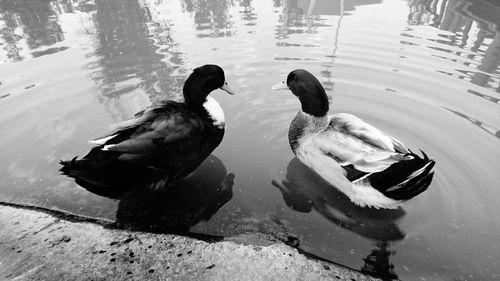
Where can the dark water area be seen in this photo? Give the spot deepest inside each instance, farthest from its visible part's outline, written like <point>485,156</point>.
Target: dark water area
<point>425,71</point>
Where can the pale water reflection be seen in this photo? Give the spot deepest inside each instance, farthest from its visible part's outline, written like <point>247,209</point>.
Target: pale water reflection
<point>427,71</point>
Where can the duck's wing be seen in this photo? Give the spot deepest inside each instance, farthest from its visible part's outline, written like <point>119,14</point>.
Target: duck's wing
<point>121,128</point>
<point>350,141</point>
<point>352,125</point>
<point>348,150</point>
<point>151,129</point>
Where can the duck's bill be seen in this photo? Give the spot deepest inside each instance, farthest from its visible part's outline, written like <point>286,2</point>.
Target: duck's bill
<point>280,86</point>
<point>226,88</point>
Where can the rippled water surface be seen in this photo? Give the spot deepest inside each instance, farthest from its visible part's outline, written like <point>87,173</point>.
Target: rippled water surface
<point>426,71</point>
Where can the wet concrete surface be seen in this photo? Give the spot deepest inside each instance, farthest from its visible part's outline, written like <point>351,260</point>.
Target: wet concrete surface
<point>36,245</point>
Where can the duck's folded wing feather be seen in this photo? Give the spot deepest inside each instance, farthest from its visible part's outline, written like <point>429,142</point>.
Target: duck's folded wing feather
<point>121,128</point>
<point>131,124</point>
<point>153,129</point>
<point>348,150</point>
<point>398,145</point>
<point>356,127</point>
<point>350,141</point>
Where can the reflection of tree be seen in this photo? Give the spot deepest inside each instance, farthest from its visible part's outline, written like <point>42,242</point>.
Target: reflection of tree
<point>301,16</point>
<point>248,14</point>
<point>9,38</point>
<point>37,20</point>
<point>296,19</point>
<point>211,17</point>
<point>305,16</point>
<point>129,53</point>
<point>458,17</point>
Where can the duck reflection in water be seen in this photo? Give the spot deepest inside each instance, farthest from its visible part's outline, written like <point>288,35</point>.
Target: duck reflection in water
<point>303,190</point>
<point>172,209</point>
<point>183,205</point>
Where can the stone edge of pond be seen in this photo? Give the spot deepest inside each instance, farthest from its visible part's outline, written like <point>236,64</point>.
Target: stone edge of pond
<point>36,245</point>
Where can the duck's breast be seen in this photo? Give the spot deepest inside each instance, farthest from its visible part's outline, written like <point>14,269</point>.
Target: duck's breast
<point>215,112</point>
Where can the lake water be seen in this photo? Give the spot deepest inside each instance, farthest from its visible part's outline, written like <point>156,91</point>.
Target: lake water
<point>426,71</point>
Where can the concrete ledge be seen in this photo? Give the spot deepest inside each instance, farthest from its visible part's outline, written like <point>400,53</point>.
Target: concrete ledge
<point>39,246</point>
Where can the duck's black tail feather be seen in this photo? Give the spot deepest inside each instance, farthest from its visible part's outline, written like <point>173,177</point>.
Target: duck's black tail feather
<point>105,175</point>
<point>405,179</point>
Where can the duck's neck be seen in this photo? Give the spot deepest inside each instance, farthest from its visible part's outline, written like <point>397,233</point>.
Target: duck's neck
<point>195,92</point>
<point>314,124</point>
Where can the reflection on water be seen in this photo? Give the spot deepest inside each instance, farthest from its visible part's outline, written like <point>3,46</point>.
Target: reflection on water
<point>248,13</point>
<point>427,71</point>
<point>474,26</point>
<point>146,204</point>
<point>378,264</point>
<point>487,128</point>
<point>131,69</point>
<point>303,190</point>
<point>181,206</point>
<point>301,16</point>
<point>37,21</point>
<point>211,17</point>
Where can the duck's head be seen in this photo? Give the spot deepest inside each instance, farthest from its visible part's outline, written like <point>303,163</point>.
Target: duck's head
<point>308,89</point>
<point>202,82</point>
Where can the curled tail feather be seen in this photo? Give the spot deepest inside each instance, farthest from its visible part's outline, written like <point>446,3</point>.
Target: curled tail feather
<point>405,179</point>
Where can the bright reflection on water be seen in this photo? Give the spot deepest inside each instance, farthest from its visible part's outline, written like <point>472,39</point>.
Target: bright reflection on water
<point>427,71</point>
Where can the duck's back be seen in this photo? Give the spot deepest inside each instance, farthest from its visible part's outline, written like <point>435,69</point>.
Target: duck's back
<point>169,136</point>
